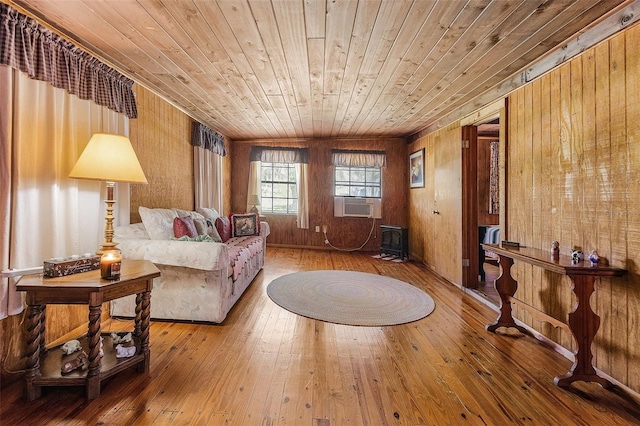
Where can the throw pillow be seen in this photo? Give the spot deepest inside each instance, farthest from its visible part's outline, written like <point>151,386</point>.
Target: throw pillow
<point>223,226</point>
<point>184,226</point>
<point>212,231</point>
<point>208,213</point>
<point>244,224</point>
<point>201,226</point>
<point>158,222</point>
<point>183,213</point>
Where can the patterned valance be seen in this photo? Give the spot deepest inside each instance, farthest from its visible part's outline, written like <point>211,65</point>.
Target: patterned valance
<point>206,138</point>
<point>27,46</point>
<point>280,155</point>
<point>359,158</point>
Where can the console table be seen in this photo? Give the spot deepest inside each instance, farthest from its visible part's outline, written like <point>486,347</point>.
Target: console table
<point>582,321</point>
<point>43,365</point>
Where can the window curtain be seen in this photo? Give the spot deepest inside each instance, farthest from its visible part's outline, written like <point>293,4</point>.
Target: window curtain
<point>208,150</point>
<point>206,138</point>
<point>358,158</point>
<point>298,156</point>
<point>207,174</point>
<point>494,178</point>
<point>44,213</point>
<point>27,46</point>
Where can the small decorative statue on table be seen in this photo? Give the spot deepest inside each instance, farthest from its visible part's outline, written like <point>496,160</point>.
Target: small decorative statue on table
<point>594,258</point>
<point>555,249</point>
<point>577,256</point>
<point>70,347</point>
<point>79,362</point>
<point>125,351</point>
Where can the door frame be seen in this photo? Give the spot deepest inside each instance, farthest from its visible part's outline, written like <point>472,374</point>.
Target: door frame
<point>470,239</point>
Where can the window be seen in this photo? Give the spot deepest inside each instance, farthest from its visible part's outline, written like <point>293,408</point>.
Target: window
<point>352,181</point>
<point>279,188</point>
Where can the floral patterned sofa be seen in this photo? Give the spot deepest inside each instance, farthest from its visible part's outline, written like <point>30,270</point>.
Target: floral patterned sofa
<point>202,276</point>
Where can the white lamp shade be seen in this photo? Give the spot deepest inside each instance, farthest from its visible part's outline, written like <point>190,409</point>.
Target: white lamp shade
<point>254,200</point>
<point>111,158</point>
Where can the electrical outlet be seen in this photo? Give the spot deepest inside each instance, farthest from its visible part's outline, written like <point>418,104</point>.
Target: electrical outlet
<point>317,228</point>
<point>324,228</point>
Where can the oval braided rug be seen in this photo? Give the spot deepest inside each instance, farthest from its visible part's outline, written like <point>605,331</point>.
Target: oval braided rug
<point>351,298</point>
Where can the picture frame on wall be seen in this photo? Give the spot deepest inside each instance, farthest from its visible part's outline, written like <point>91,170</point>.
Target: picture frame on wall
<point>416,169</point>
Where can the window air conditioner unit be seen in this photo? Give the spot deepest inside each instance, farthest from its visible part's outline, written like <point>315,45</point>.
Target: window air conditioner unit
<point>357,207</point>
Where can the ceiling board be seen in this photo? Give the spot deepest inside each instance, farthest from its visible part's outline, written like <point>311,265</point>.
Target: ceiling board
<point>260,69</point>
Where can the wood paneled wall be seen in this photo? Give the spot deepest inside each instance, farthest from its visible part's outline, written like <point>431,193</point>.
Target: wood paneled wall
<point>342,232</point>
<point>161,137</point>
<point>437,238</point>
<point>573,167</point>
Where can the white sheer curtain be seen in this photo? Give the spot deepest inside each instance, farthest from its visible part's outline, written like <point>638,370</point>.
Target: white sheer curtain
<point>302,172</point>
<point>255,183</point>
<point>207,174</point>
<point>44,213</point>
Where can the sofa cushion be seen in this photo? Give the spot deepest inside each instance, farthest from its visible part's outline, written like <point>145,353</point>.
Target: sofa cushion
<point>198,239</point>
<point>223,226</point>
<point>134,231</point>
<point>208,213</point>
<point>244,224</point>
<point>184,226</point>
<point>241,249</point>
<point>158,222</point>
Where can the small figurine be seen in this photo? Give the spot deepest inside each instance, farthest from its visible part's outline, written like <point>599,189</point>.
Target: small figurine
<point>70,347</point>
<point>117,339</point>
<point>577,256</point>
<point>555,249</point>
<point>125,352</point>
<point>79,362</point>
<point>594,258</point>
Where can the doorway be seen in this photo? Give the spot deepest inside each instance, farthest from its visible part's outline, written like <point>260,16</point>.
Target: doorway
<point>483,191</point>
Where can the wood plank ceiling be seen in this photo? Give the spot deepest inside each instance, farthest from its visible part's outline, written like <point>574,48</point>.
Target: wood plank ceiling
<point>259,69</point>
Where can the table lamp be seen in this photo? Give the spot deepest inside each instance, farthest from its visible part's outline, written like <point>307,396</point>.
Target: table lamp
<point>109,158</point>
<point>254,200</point>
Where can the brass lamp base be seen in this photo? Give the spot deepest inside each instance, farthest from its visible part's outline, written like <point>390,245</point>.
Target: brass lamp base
<point>108,243</point>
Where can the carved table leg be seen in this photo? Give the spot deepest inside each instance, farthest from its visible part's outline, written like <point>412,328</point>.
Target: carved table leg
<point>93,375</point>
<point>35,342</point>
<point>143,314</point>
<point>136,326</point>
<point>584,324</point>
<point>506,287</point>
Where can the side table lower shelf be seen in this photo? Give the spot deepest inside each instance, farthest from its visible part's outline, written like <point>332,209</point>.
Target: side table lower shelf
<point>52,361</point>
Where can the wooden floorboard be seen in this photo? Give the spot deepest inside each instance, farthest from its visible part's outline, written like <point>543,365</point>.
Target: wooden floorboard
<point>267,366</point>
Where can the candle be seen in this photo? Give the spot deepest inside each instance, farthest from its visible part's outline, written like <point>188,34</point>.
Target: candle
<point>110,263</point>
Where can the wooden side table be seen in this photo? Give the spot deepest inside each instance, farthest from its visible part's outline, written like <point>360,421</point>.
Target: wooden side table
<point>43,366</point>
<point>582,321</point>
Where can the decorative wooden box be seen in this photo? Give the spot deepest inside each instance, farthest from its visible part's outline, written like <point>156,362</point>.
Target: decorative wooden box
<point>59,268</point>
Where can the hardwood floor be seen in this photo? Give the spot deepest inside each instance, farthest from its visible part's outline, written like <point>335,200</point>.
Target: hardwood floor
<point>487,288</point>
<point>266,366</point>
